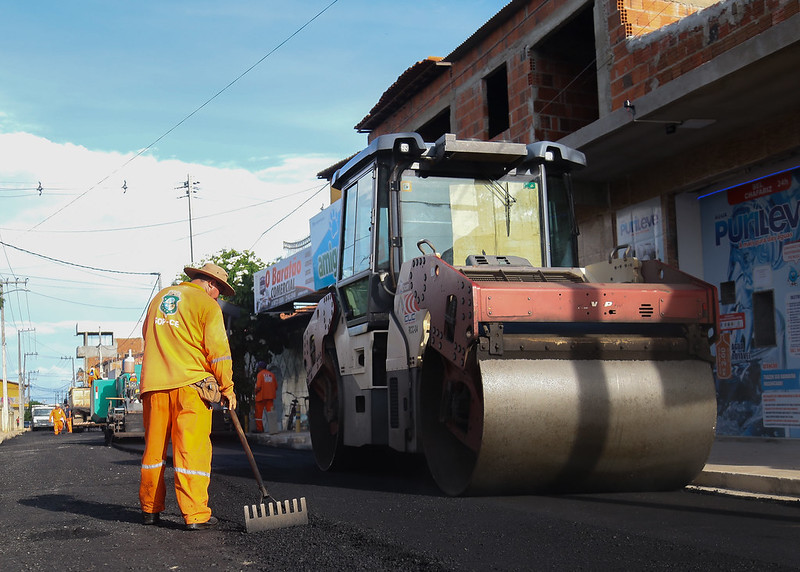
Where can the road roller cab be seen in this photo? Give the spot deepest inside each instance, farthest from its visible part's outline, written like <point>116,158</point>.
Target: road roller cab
<point>461,327</point>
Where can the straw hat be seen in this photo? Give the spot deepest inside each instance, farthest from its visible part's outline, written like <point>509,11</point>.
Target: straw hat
<point>214,272</point>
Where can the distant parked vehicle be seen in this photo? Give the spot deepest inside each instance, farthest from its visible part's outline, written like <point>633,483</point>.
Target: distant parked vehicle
<point>40,414</point>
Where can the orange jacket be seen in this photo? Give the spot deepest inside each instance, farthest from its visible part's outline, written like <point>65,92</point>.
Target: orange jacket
<point>184,340</point>
<point>57,415</point>
<point>266,385</point>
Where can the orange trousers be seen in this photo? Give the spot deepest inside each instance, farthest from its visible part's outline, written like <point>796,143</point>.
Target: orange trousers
<point>181,416</point>
<point>261,406</point>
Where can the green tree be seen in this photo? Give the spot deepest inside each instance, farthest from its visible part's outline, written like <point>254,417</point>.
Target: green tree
<point>28,415</point>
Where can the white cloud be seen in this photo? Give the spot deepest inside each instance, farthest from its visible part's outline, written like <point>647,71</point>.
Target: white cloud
<point>84,217</point>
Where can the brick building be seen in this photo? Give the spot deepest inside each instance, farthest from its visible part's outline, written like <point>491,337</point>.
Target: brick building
<point>689,116</point>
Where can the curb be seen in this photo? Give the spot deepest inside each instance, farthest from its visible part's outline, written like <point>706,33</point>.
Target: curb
<point>11,434</point>
<point>285,440</point>
<point>751,483</point>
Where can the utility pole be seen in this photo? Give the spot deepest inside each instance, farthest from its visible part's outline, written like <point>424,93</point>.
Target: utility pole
<point>189,185</point>
<point>21,374</point>
<point>4,424</point>
<point>72,383</point>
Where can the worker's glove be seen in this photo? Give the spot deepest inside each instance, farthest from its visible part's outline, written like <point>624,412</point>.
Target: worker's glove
<point>230,398</point>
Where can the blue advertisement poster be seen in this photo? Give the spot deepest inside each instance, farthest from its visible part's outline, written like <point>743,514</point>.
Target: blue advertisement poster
<point>325,244</point>
<point>751,252</point>
<point>639,226</point>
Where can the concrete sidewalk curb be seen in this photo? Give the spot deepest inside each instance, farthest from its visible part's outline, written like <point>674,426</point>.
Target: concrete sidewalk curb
<point>286,440</point>
<point>11,434</point>
<point>748,482</point>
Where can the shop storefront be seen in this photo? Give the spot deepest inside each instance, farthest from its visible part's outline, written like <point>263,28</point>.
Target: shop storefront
<point>750,235</point>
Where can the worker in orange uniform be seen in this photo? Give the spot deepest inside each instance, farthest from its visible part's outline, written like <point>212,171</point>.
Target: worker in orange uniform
<point>185,351</point>
<point>266,392</point>
<point>58,419</point>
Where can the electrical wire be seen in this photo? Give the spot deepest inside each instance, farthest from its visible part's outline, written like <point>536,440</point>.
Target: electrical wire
<point>76,264</point>
<point>104,306</point>
<point>160,224</point>
<point>289,214</point>
<point>141,316</point>
<point>182,121</point>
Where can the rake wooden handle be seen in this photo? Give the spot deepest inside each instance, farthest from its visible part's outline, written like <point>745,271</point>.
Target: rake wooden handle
<point>246,445</point>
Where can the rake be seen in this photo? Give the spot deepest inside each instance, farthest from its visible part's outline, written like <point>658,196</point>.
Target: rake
<point>275,514</point>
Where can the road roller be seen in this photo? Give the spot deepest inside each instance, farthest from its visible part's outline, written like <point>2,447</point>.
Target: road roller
<point>461,327</point>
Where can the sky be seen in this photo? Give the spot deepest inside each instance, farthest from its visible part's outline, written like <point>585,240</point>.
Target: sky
<point>107,109</point>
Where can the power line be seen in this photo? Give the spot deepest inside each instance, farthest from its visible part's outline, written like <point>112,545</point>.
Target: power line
<point>76,264</point>
<point>290,213</point>
<point>104,306</point>
<point>182,121</point>
<point>150,297</point>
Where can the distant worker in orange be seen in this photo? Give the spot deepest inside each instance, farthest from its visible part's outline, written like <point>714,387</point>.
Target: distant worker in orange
<point>266,392</point>
<point>58,419</point>
<point>92,375</point>
<point>186,367</point>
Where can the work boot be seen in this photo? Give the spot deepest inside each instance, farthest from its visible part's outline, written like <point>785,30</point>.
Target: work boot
<point>212,522</point>
<point>149,518</point>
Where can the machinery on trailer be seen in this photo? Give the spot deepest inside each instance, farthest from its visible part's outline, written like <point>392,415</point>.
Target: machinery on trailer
<point>124,414</point>
<point>461,327</point>
<point>80,401</point>
<point>111,404</point>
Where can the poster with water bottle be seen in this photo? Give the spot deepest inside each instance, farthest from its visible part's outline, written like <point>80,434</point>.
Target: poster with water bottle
<point>751,252</point>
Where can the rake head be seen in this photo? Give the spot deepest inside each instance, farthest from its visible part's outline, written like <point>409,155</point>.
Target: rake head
<point>275,515</point>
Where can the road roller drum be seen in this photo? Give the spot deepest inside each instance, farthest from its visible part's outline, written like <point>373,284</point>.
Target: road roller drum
<point>577,425</point>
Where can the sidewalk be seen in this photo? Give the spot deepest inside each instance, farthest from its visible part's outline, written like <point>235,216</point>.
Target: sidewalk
<point>753,465</point>
<point>284,439</point>
<point>10,434</point>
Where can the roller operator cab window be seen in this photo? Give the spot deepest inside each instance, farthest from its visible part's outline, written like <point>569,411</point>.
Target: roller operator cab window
<point>563,231</point>
<point>465,216</point>
<point>357,244</point>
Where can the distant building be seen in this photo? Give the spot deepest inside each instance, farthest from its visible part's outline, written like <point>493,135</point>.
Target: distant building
<point>13,403</point>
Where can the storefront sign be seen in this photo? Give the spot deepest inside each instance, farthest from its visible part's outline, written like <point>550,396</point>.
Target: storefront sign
<point>284,281</point>
<point>325,244</point>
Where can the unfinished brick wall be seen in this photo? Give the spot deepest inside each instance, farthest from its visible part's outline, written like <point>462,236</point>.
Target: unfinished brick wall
<point>640,17</point>
<point>564,98</point>
<point>642,64</point>
<point>651,43</point>
<point>462,86</point>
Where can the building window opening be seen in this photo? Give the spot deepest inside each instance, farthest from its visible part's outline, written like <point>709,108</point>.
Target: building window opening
<point>563,78</point>
<point>436,127</point>
<point>497,101</point>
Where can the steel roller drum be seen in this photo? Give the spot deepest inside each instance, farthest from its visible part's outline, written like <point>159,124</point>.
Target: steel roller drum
<point>593,425</point>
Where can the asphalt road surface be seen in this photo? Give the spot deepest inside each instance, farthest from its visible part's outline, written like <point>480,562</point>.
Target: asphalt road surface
<point>71,503</point>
